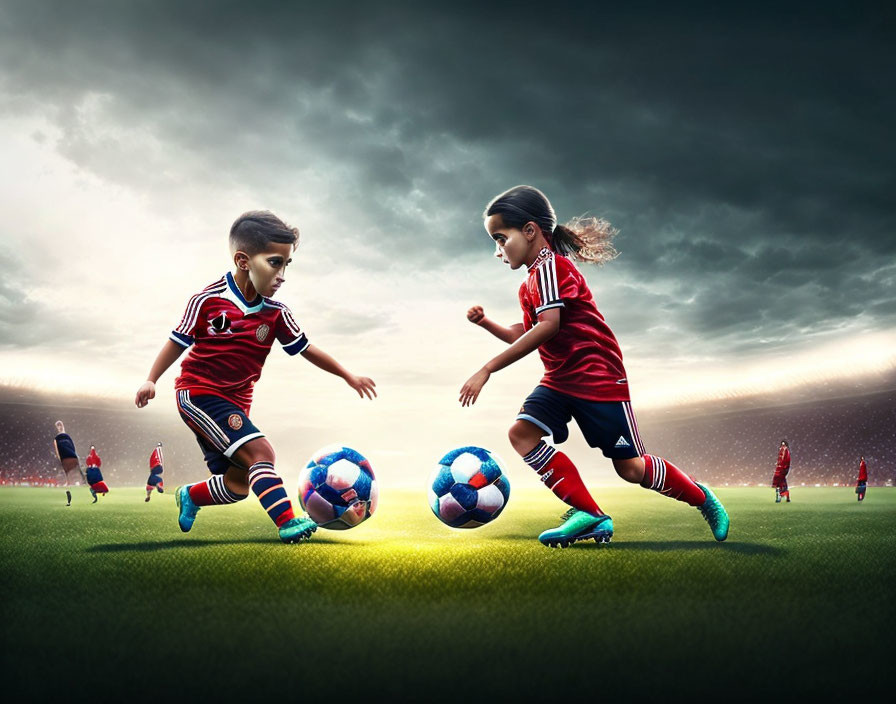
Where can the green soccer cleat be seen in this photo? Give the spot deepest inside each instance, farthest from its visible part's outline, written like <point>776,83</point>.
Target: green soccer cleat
<point>295,530</point>
<point>714,513</point>
<point>187,508</point>
<point>578,525</point>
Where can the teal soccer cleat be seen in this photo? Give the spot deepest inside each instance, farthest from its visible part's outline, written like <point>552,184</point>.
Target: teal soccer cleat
<point>714,513</point>
<point>295,530</point>
<point>578,525</point>
<point>187,508</point>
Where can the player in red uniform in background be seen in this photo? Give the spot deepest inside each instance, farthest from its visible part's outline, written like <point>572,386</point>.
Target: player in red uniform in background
<point>156,467</point>
<point>584,375</point>
<point>779,480</point>
<point>94,475</point>
<point>862,481</point>
<point>230,327</point>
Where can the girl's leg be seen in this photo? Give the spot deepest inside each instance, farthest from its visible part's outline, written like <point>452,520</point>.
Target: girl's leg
<point>556,470</point>
<point>655,473</point>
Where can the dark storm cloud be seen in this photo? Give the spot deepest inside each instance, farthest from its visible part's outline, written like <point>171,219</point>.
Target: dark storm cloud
<point>745,155</point>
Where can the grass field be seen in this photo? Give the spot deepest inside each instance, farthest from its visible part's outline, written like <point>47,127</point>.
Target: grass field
<point>111,601</point>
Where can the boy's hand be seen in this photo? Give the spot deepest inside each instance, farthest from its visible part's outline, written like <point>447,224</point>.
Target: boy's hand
<point>470,391</point>
<point>362,384</point>
<point>145,393</point>
<point>476,315</point>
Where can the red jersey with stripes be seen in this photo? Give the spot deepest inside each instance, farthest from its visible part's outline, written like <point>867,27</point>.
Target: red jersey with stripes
<point>230,338</point>
<point>155,459</point>
<point>863,471</point>
<point>583,359</point>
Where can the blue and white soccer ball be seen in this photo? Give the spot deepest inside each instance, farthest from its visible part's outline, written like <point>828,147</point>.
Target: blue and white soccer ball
<point>468,488</point>
<point>338,488</point>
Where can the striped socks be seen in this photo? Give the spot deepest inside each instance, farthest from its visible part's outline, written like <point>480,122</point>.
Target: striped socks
<point>667,479</point>
<point>213,491</point>
<point>560,475</point>
<point>268,487</point>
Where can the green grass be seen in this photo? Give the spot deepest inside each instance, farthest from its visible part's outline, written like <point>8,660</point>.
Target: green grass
<point>112,600</point>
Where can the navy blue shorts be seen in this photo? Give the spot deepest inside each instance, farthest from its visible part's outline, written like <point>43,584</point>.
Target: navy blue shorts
<point>94,475</point>
<point>221,427</point>
<point>154,479</point>
<point>608,425</point>
<point>66,447</point>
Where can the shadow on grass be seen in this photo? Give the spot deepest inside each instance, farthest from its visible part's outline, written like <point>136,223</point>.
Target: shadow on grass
<point>179,544</point>
<point>673,545</point>
<point>663,545</point>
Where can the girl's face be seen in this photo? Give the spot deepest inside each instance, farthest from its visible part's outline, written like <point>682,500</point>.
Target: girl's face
<point>267,269</point>
<point>512,245</point>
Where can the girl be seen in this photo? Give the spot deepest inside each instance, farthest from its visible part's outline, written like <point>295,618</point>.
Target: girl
<point>584,375</point>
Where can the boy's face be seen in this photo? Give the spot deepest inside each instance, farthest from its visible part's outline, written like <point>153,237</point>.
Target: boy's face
<point>267,269</point>
<point>511,244</point>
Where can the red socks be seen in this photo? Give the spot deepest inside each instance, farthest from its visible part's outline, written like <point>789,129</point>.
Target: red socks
<point>560,475</point>
<point>664,477</point>
<point>213,491</point>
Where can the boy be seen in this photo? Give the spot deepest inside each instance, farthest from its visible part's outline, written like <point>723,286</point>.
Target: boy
<point>155,473</point>
<point>231,326</point>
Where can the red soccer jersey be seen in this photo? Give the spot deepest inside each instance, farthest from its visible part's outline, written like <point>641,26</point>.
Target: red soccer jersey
<point>93,459</point>
<point>583,359</point>
<point>155,459</point>
<point>231,338</point>
<point>783,465</point>
<point>863,472</point>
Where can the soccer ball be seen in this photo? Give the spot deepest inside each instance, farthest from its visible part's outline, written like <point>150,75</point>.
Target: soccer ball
<point>337,488</point>
<point>468,488</point>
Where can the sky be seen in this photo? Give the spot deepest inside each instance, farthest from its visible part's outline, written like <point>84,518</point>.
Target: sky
<point>745,155</point>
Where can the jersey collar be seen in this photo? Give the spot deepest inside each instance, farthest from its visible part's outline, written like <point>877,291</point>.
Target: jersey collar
<point>232,293</point>
<point>542,257</point>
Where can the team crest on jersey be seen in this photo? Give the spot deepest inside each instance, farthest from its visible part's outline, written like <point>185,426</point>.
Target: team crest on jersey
<point>235,421</point>
<point>219,325</point>
<point>262,333</point>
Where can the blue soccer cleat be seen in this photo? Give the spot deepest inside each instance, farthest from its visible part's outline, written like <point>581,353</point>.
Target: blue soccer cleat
<point>295,530</point>
<point>578,525</point>
<point>187,508</point>
<point>714,513</point>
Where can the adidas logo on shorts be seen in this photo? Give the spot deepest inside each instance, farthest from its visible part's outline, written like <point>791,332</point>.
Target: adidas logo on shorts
<point>622,442</point>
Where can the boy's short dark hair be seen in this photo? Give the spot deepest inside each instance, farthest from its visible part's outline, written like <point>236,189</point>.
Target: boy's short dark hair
<point>253,231</point>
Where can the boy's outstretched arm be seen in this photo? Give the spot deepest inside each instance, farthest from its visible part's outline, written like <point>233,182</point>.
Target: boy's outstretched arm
<point>547,326</point>
<point>320,359</point>
<point>167,356</point>
<point>509,335</point>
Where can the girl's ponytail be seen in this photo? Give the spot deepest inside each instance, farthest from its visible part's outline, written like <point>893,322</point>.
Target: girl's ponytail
<point>587,239</point>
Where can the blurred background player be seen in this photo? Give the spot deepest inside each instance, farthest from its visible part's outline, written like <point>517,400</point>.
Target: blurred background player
<point>94,475</point>
<point>68,457</point>
<point>230,328</point>
<point>862,481</point>
<point>779,480</point>
<point>155,472</point>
